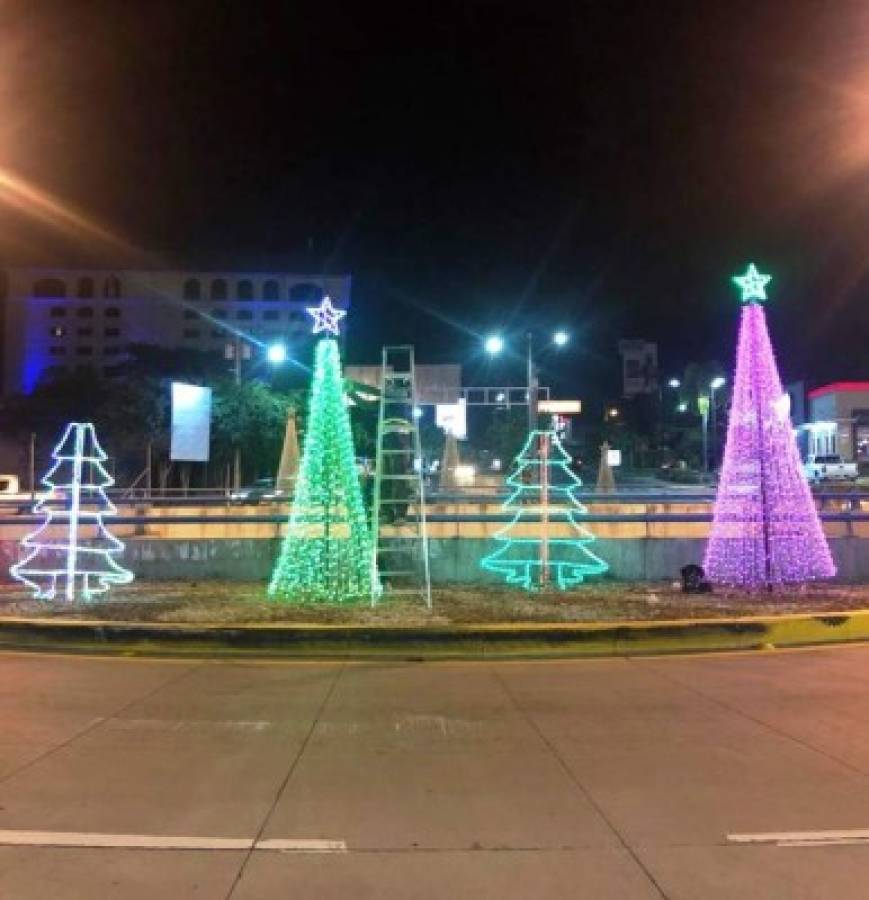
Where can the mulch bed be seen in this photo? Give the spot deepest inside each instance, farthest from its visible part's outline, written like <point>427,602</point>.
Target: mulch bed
<point>229,603</point>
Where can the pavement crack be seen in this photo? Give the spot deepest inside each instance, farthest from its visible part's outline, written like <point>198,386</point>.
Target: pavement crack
<point>283,785</point>
<point>99,721</point>
<point>586,793</point>
<point>736,711</point>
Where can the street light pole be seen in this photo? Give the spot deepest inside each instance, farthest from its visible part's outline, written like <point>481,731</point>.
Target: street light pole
<point>703,405</point>
<point>713,387</point>
<point>236,464</point>
<point>532,386</point>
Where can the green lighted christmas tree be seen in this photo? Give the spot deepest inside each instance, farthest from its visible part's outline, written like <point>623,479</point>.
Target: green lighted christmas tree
<point>533,551</point>
<point>327,553</point>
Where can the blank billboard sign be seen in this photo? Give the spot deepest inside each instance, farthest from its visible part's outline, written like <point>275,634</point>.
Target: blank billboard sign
<point>191,422</point>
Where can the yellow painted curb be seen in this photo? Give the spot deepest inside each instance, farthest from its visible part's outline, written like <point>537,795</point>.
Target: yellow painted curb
<point>485,641</point>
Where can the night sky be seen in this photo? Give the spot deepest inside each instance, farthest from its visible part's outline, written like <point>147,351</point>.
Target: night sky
<point>603,166</point>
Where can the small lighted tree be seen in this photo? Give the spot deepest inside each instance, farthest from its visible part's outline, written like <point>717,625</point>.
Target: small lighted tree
<point>543,496</point>
<point>72,552</point>
<point>765,530</point>
<point>327,554</point>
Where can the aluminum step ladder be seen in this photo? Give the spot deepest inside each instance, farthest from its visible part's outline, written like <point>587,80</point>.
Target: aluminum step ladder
<point>398,518</point>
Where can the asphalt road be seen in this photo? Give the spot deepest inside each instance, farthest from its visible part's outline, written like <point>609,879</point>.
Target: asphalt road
<point>587,779</point>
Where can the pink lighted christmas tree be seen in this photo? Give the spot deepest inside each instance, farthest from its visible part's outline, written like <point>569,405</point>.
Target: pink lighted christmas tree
<point>765,531</point>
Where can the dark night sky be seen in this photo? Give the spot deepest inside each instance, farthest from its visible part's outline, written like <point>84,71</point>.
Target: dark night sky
<point>600,165</point>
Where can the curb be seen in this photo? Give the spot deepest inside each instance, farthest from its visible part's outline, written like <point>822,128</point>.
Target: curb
<point>499,641</point>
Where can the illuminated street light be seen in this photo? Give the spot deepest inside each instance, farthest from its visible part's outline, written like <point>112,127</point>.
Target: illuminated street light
<point>560,338</point>
<point>494,344</point>
<point>276,354</point>
<point>716,383</point>
<point>674,383</point>
<point>682,407</point>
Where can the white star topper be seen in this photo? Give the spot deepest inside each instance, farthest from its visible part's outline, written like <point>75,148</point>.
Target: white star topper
<point>326,317</point>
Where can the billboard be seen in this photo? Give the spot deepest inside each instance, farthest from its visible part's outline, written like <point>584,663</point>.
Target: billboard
<point>639,367</point>
<point>453,418</point>
<point>191,422</point>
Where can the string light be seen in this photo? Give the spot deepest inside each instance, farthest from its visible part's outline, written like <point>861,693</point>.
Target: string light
<point>752,284</point>
<point>765,531</point>
<point>535,483</point>
<point>326,317</point>
<point>57,550</point>
<point>327,553</point>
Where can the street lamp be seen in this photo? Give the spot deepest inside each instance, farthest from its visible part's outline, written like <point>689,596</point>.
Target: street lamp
<point>241,344</point>
<point>276,354</point>
<point>714,385</point>
<point>674,383</point>
<point>682,407</point>
<point>494,344</point>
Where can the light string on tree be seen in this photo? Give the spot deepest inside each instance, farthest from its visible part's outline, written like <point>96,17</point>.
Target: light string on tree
<point>72,550</point>
<point>327,552</point>
<point>543,494</point>
<point>765,530</point>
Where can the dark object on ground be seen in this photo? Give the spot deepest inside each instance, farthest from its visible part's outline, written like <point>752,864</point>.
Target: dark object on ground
<point>694,580</point>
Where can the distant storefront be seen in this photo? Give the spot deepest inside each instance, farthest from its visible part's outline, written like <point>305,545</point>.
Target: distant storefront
<point>839,420</point>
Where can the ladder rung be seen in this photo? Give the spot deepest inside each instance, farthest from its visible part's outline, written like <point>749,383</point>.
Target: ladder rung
<point>397,573</point>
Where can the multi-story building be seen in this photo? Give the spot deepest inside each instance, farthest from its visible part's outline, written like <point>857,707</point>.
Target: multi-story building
<point>60,320</point>
<point>839,414</point>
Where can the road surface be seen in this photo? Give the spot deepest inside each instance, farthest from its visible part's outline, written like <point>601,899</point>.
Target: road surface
<point>693,778</point>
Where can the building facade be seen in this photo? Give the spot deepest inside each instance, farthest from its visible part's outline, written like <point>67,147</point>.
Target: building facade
<point>839,420</point>
<point>60,320</point>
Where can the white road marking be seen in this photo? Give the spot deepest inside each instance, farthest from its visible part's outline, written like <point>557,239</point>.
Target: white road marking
<point>302,845</point>
<point>12,838</point>
<point>120,841</point>
<point>804,838</point>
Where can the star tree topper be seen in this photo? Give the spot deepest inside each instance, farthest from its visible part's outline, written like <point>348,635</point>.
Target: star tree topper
<point>752,284</point>
<point>326,317</point>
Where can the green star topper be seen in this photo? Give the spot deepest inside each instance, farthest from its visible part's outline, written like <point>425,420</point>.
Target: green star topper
<point>752,284</point>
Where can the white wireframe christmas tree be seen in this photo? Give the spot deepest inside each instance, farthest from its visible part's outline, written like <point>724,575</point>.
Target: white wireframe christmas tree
<point>72,552</point>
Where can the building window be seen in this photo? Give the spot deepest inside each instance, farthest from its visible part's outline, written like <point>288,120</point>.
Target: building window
<point>192,289</point>
<point>111,332</point>
<point>245,314</point>
<point>54,371</point>
<point>112,288</point>
<point>218,333</point>
<point>191,314</point>
<point>84,351</point>
<point>113,370</point>
<point>84,332</point>
<point>271,315</point>
<point>245,290</point>
<point>57,331</point>
<point>296,316</point>
<point>112,312</point>
<point>84,367</point>
<point>49,287</point>
<point>57,351</point>
<point>85,312</point>
<point>218,313</point>
<point>306,292</point>
<point>85,288</point>
<point>111,351</point>
<point>191,332</point>
<point>271,290</point>
<point>218,289</point>
<point>57,312</point>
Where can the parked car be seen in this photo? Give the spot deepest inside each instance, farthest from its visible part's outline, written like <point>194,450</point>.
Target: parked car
<point>830,467</point>
<point>262,490</point>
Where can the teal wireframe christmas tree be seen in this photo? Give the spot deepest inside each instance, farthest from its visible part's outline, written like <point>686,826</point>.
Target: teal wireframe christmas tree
<point>73,548</point>
<point>543,499</point>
